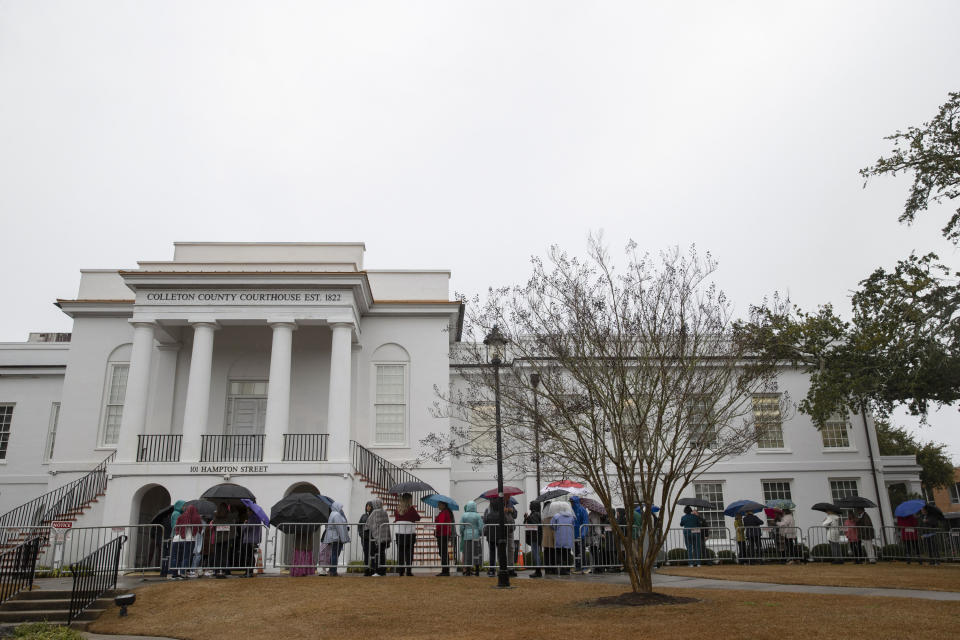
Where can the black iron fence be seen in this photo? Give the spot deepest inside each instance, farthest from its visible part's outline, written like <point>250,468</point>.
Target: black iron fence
<point>305,447</point>
<point>94,575</point>
<point>159,448</point>
<point>231,448</point>
<point>17,567</point>
<point>384,474</point>
<point>63,501</point>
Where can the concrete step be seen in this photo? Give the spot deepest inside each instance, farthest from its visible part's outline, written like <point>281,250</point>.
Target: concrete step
<point>53,616</point>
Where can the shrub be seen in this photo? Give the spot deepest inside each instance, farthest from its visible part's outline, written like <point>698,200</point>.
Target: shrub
<point>45,631</point>
<point>821,551</point>
<point>676,555</point>
<point>726,556</point>
<point>893,551</point>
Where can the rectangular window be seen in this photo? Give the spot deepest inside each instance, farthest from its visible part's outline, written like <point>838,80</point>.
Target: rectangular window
<point>835,433</point>
<point>6,418</point>
<point>843,489</point>
<point>713,493</point>
<point>776,490</point>
<point>766,416</point>
<point>482,435</point>
<point>51,432</point>
<point>955,493</point>
<point>113,412</point>
<point>390,405</point>
<point>699,415</point>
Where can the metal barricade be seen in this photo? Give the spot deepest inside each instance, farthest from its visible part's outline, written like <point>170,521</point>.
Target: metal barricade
<point>843,543</point>
<point>917,544</point>
<point>548,547</point>
<point>142,552</point>
<point>603,547</point>
<point>426,545</point>
<point>688,545</point>
<point>217,550</point>
<point>768,544</point>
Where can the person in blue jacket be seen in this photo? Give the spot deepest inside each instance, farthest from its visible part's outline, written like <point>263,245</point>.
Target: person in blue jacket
<point>582,518</point>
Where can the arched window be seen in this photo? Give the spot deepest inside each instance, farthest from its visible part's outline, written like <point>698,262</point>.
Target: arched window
<point>391,364</point>
<point>114,392</point>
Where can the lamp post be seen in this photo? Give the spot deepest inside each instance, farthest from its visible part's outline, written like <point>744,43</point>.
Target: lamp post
<point>496,344</point>
<point>535,383</point>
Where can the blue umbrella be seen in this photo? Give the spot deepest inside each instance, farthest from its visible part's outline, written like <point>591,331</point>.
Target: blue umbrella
<point>257,510</point>
<point>653,509</point>
<point>434,500</point>
<point>909,508</point>
<point>740,507</point>
<point>781,503</point>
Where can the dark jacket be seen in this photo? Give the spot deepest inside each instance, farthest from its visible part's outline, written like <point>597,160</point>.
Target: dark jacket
<point>492,517</point>
<point>534,535</point>
<point>752,526</point>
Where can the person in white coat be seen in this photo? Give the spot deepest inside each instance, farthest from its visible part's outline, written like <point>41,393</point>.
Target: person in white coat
<point>336,535</point>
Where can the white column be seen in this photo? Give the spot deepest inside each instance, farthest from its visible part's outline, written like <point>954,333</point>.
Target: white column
<point>338,399</point>
<point>197,405</point>
<point>138,389</point>
<point>278,391</point>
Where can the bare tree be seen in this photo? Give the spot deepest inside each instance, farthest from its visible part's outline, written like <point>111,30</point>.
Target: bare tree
<point>643,383</point>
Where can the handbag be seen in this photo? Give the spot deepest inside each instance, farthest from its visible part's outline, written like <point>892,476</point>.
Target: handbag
<point>323,555</point>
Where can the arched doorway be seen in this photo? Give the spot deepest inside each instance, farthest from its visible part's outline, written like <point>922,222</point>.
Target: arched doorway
<point>301,487</point>
<point>146,541</point>
<point>286,542</point>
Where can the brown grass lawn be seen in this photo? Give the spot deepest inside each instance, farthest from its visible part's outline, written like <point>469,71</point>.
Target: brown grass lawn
<point>465,608</point>
<point>886,575</point>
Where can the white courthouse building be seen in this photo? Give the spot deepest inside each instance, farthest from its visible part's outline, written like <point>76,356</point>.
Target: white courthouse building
<point>274,365</point>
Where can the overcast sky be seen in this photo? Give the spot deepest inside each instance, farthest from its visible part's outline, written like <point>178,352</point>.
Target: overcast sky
<point>466,136</point>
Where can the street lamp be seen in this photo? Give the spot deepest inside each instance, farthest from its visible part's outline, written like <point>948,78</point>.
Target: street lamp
<point>535,382</point>
<point>496,344</point>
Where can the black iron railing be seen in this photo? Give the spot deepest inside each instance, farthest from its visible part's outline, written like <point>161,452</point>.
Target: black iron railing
<point>64,501</point>
<point>159,448</point>
<point>384,474</point>
<point>231,448</point>
<point>305,447</point>
<point>94,575</point>
<point>17,566</point>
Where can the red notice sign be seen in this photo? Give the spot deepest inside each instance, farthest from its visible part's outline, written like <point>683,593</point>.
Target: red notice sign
<point>62,524</point>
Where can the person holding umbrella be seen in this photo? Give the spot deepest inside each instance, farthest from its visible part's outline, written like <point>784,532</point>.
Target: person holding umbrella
<point>691,535</point>
<point>866,533</point>
<point>492,521</point>
<point>443,532</point>
<point>832,523</point>
<point>930,522</point>
<point>187,528</point>
<point>534,537</point>
<point>582,520</point>
<point>406,517</point>
<point>788,533</point>
<point>907,525</point>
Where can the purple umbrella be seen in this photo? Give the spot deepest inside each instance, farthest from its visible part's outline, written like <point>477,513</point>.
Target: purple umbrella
<point>257,511</point>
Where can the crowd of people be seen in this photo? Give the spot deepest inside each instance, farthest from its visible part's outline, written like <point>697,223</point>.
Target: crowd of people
<point>560,536</point>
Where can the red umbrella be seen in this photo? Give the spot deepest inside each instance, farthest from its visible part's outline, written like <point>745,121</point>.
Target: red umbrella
<point>574,488</point>
<point>772,513</point>
<point>507,491</point>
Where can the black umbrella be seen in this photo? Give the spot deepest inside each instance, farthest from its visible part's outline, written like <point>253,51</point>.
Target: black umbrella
<point>411,486</point>
<point>934,510</point>
<point>228,491</point>
<point>550,495</point>
<point>825,506</point>
<point>163,516</point>
<point>299,509</point>
<point>206,508</point>
<point>855,502</point>
<point>696,502</point>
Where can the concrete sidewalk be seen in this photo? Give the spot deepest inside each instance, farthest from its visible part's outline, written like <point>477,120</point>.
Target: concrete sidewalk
<point>683,582</point>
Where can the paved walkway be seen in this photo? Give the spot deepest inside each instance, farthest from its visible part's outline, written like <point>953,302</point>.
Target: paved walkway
<point>684,582</point>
